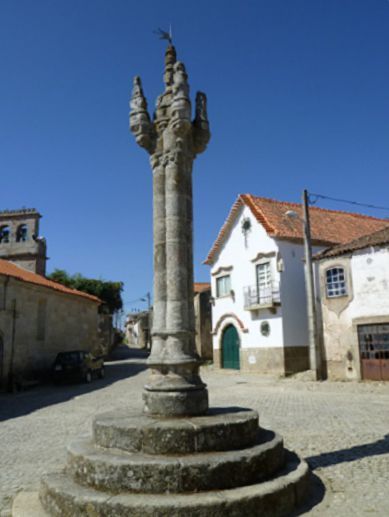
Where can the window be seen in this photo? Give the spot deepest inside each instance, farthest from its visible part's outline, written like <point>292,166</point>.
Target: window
<point>335,282</point>
<point>223,286</point>
<point>4,234</point>
<point>21,233</point>
<point>263,276</point>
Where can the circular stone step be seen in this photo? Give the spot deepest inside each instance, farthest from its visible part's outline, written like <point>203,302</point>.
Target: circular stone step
<point>115,471</point>
<point>62,497</point>
<point>221,429</point>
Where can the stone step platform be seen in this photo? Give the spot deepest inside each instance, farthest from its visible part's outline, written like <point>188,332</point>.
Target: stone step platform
<point>115,471</point>
<point>60,496</point>
<point>221,429</point>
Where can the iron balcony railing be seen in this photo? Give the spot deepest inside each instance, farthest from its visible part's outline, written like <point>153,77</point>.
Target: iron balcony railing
<point>255,298</point>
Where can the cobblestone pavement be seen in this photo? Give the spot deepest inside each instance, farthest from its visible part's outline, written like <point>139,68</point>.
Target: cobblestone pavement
<point>340,428</point>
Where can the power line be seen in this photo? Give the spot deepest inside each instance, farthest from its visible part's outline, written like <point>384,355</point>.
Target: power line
<point>143,298</point>
<point>357,203</point>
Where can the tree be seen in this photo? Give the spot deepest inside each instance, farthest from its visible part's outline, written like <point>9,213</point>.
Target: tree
<point>108,292</point>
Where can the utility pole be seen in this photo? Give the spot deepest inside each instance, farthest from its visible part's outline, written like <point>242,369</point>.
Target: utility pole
<point>314,353</point>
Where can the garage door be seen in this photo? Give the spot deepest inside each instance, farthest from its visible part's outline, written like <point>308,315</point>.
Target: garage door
<point>374,350</point>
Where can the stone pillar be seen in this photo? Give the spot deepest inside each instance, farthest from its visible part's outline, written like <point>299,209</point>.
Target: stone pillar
<point>174,387</point>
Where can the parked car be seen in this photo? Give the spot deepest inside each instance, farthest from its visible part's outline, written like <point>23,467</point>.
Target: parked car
<point>77,365</point>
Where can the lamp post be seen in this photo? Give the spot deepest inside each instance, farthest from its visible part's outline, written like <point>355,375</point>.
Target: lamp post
<point>147,298</point>
<point>314,354</point>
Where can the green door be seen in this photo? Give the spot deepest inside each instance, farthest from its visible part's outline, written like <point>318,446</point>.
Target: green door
<point>230,348</point>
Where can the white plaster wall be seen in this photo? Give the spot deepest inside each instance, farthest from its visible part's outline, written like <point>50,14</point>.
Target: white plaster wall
<point>369,290</point>
<point>293,293</point>
<point>235,253</point>
<point>368,297</point>
<point>370,278</point>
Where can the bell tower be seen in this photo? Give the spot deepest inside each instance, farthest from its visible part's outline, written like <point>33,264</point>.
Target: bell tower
<point>20,242</point>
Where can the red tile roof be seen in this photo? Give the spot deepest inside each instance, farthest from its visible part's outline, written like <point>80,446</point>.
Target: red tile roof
<point>379,238</point>
<point>9,269</point>
<point>200,287</point>
<point>328,227</point>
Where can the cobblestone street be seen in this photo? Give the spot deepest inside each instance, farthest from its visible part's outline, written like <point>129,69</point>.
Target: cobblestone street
<point>340,428</point>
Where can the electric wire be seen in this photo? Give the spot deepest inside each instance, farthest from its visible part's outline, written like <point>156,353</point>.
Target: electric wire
<point>313,198</point>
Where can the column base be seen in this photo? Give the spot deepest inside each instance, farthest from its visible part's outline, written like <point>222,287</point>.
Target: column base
<point>176,403</point>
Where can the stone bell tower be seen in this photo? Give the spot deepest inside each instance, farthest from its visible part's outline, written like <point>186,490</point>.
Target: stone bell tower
<point>20,242</point>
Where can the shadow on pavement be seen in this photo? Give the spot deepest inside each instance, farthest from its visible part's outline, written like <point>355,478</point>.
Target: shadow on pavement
<point>357,452</point>
<point>121,364</point>
<point>316,495</point>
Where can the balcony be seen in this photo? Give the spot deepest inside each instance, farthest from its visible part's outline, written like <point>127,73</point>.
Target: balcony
<point>262,298</point>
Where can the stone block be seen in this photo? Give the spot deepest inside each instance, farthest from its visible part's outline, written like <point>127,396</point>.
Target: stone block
<point>117,471</point>
<point>221,429</point>
<point>62,497</point>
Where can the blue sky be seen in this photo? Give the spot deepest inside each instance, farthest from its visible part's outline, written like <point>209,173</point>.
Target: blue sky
<point>298,97</point>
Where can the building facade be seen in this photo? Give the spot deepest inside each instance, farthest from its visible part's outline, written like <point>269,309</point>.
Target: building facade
<point>258,286</point>
<point>354,286</point>
<point>203,320</point>
<point>38,319</point>
<point>137,329</point>
<point>20,242</point>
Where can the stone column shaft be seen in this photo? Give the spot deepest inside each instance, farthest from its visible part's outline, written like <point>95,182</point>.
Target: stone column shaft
<point>159,234</point>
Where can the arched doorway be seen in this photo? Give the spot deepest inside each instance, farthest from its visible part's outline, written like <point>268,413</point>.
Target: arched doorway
<point>230,348</point>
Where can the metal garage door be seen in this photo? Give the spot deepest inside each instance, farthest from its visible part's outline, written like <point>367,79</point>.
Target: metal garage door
<point>374,350</point>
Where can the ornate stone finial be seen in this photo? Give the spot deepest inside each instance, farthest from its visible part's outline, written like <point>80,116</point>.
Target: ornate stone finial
<point>201,124</point>
<point>138,101</point>
<point>170,59</point>
<point>140,123</point>
<point>180,81</point>
<point>181,105</point>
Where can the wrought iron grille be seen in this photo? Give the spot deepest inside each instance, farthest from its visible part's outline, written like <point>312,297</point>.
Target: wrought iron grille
<point>254,296</point>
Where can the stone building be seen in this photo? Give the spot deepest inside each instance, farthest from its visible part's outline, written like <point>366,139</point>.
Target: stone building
<point>354,286</point>
<point>138,324</point>
<point>20,242</point>
<point>203,319</point>
<point>38,319</point>
<point>137,329</point>
<point>259,309</point>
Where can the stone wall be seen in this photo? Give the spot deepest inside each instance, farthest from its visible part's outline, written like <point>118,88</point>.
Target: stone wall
<point>366,302</point>
<point>274,360</point>
<point>37,322</point>
<point>203,323</point>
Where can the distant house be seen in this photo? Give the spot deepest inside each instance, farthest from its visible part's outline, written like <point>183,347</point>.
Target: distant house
<point>203,319</point>
<point>137,329</point>
<point>38,319</point>
<point>257,281</point>
<point>137,324</point>
<point>354,284</point>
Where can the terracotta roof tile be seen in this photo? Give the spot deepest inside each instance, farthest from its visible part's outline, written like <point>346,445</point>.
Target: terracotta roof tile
<point>328,227</point>
<point>12,270</point>
<point>379,238</point>
<point>200,287</point>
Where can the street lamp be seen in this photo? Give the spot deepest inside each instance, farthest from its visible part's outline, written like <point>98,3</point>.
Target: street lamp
<point>147,298</point>
<point>314,355</point>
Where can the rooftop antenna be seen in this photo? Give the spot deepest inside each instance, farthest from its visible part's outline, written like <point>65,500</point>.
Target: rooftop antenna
<point>165,35</point>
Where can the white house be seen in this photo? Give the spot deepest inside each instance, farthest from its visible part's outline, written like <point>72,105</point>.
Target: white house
<point>257,279</point>
<point>354,281</point>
